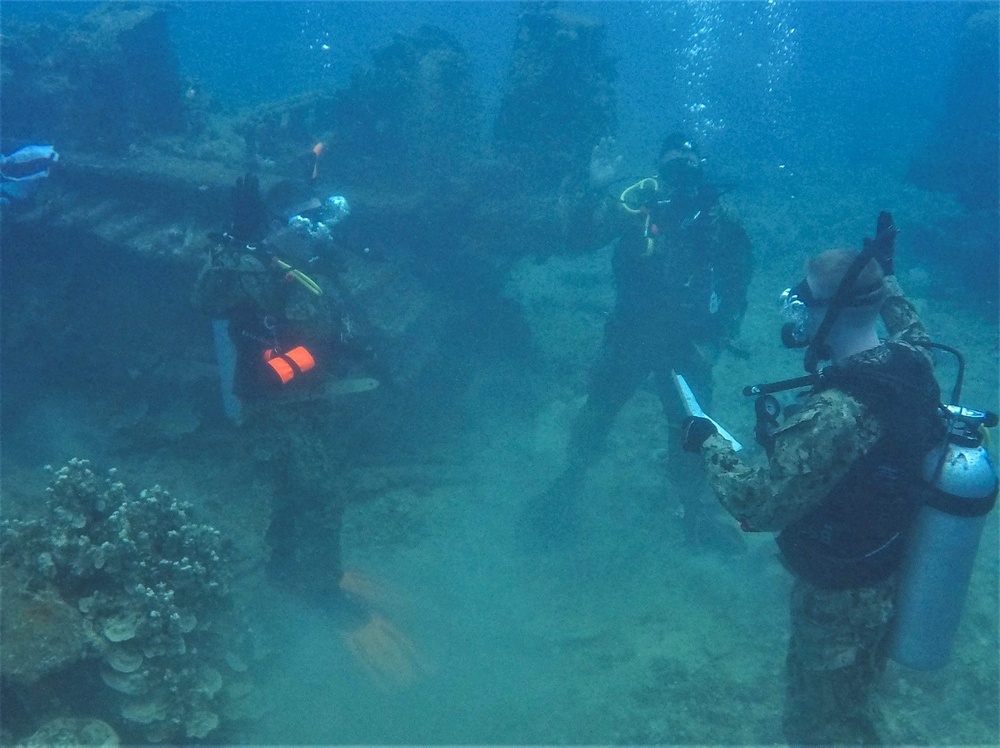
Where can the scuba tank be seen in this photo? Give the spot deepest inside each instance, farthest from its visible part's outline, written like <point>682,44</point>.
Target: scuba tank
<point>225,358</point>
<point>961,491</point>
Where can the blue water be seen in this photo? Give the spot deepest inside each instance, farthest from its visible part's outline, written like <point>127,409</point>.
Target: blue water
<point>813,111</point>
<point>860,61</point>
<point>762,75</point>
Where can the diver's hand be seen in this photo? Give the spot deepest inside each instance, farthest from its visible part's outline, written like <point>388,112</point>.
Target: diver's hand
<point>249,211</point>
<point>694,432</point>
<point>603,165</point>
<point>884,243</point>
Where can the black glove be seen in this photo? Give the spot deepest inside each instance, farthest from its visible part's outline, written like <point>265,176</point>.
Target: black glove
<point>884,243</point>
<point>250,213</point>
<point>694,432</point>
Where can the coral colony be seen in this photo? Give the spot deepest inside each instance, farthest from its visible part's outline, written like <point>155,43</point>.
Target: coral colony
<point>137,583</point>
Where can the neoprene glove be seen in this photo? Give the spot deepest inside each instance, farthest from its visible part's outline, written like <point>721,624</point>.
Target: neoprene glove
<point>884,243</point>
<point>694,432</point>
<point>249,211</point>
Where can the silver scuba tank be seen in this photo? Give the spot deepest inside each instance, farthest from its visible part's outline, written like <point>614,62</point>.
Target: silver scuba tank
<point>961,490</point>
<point>225,358</point>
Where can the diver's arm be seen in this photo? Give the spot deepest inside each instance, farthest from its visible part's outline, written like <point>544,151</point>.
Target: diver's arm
<point>595,219</point>
<point>213,288</point>
<point>734,275</point>
<point>811,454</point>
<point>900,316</point>
<point>595,216</point>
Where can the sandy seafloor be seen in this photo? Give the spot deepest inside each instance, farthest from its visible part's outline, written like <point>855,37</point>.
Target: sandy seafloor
<point>629,635</point>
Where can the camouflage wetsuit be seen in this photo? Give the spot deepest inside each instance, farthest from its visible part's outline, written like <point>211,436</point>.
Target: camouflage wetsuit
<point>681,270</point>
<point>838,636</point>
<point>291,434</point>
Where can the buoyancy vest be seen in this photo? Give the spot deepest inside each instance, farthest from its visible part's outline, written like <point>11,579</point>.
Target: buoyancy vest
<point>855,537</point>
<point>665,267</point>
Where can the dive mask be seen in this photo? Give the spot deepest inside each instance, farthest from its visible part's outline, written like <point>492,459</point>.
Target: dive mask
<point>795,303</point>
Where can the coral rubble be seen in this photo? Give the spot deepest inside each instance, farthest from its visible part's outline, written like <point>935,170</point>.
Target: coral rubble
<point>134,583</point>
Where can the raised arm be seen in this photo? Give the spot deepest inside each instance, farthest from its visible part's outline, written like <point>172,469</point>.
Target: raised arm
<point>595,216</point>
<point>900,316</point>
<point>898,313</point>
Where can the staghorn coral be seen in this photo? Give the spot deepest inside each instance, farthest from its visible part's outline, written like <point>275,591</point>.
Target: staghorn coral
<point>153,587</point>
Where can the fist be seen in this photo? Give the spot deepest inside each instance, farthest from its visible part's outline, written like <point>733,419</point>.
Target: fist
<point>694,432</point>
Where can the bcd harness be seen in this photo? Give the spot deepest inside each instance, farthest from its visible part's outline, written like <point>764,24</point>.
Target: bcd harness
<point>674,236</point>
<point>916,502</point>
<point>854,538</point>
<point>266,361</point>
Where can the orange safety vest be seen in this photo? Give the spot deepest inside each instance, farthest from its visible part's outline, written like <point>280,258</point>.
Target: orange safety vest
<point>289,364</point>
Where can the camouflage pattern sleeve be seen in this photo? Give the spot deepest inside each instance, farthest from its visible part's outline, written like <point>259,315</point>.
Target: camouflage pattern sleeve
<point>813,451</point>
<point>901,318</point>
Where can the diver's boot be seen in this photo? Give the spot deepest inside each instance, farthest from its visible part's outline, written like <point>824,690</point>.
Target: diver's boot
<point>708,529</point>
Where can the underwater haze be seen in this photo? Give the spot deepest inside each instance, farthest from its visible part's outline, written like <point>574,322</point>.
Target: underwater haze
<point>478,330</point>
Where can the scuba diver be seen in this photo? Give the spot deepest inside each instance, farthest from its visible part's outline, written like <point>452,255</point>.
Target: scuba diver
<point>282,340</point>
<point>843,484</point>
<point>681,268</point>
<point>276,335</point>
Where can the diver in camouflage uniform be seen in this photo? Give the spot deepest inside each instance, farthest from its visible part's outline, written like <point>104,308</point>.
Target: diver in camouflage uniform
<point>290,337</point>
<point>840,487</point>
<point>286,421</point>
<point>681,268</point>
